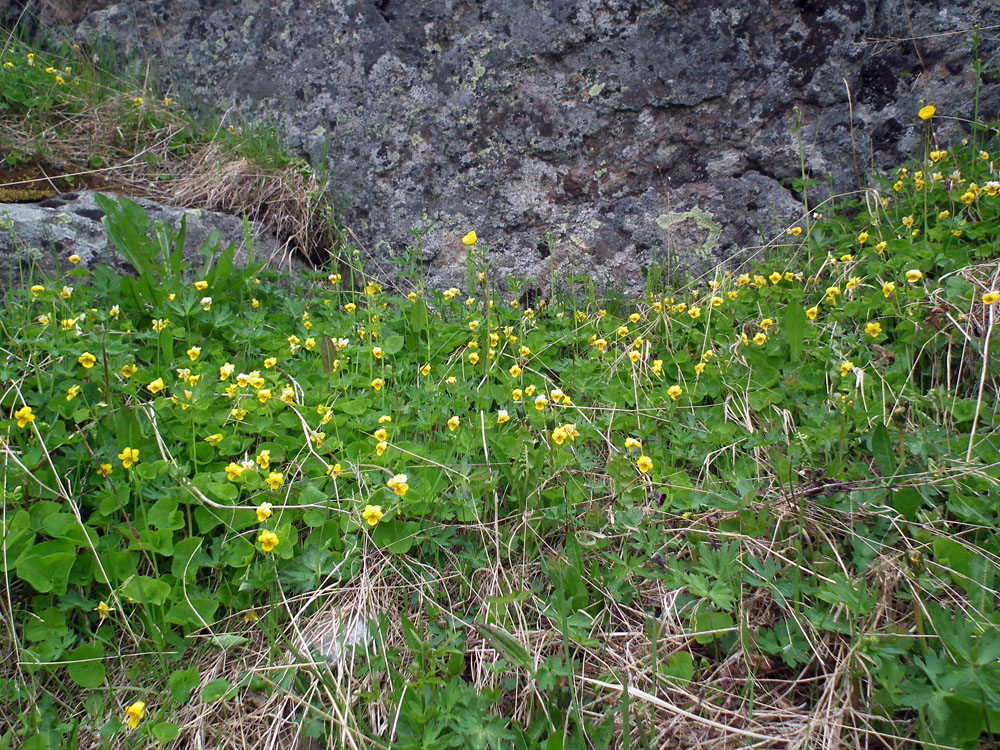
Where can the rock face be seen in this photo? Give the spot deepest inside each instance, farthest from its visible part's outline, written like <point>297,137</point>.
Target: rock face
<point>43,235</point>
<point>595,136</point>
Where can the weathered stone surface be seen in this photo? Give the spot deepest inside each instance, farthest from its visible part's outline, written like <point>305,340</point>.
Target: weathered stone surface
<point>43,235</point>
<point>631,130</point>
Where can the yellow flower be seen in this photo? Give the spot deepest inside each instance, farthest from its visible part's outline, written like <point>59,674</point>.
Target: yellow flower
<point>425,370</point>
<point>601,344</point>
<point>87,360</point>
<point>845,367</point>
<point>632,443</point>
<point>268,540</point>
<point>657,366</point>
<point>743,279</point>
<point>853,282</point>
<point>335,471</point>
<point>634,355</point>
<point>37,289</point>
<point>927,112</point>
<point>759,280</point>
<point>990,298</point>
<point>559,435</point>
<point>381,447</point>
<point>812,312</point>
<point>350,307</point>
<point>377,352</point>
<point>524,351</point>
<point>863,237</point>
<point>888,288</point>
<point>214,440</point>
<point>72,392</point>
<point>759,338</point>
<point>136,711</point>
<point>264,395</point>
<point>194,352</point>
<point>274,480</point>
<point>450,380</point>
<point>377,384</point>
<point>372,514</point>
<point>453,422</point>
<point>644,464</point>
<point>694,312</point>
<point>473,358</point>
<point>473,325</point>
<point>233,471</point>
<point>74,259</point>
<point>103,610</point>
<point>674,391</point>
<point>372,288</point>
<point>908,221</point>
<point>129,456</point>
<point>795,231</point>
<point>873,329</point>
<point>254,303</point>
<point>766,323</point>
<point>540,402</point>
<point>516,394</point>
<point>66,292</point>
<point>717,301</point>
<point>470,239</point>
<point>24,416</point>
<point>398,484</point>
<point>502,416</point>
<point>264,509</point>
<point>635,317</point>
<point>914,275</point>
<point>699,368</point>
<point>105,470</point>
<point>264,459</point>
<point>775,277</point>
<point>238,413</point>
<point>159,324</point>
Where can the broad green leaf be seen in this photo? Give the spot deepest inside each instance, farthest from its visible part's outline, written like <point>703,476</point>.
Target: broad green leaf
<point>182,682</point>
<point>215,690</point>
<point>87,666</point>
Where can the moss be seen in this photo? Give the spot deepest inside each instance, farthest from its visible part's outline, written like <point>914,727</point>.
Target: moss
<point>24,195</point>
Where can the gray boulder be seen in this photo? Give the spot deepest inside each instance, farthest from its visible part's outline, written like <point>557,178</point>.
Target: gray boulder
<point>592,135</point>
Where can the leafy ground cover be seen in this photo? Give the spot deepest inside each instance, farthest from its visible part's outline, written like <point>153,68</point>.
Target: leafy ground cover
<point>756,510</point>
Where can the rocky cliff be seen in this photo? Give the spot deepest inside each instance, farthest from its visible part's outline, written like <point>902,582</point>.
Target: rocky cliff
<point>630,131</point>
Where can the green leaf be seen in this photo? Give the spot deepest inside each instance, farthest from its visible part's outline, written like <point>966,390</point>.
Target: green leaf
<point>506,644</point>
<point>165,731</point>
<point>393,345</point>
<point>882,451</point>
<point>87,669</point>
<point>146,590</point>
<point>165,515</point>
<point>794,324</point>
<point>215,690</point>
<point>907,501</point>
<point>46,566</point>
<point>706,622</point>
<point>182,682</point>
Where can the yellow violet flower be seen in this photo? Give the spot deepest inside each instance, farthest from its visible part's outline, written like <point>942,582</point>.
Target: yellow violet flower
<point>469,240</point>
<point>105,470</point>
<point>694,312</point>
<point>159,324</point>
<point>845,367</point>
<point>264,459</point>
<point>264,509</point>
<point>425,370</point>
<point>657,366</point>
<point>775,277</point>
<point>87,360</point>
<point>559,435</point>
<point>136,711</point>
<point>74,259</point>
<point>194,352</point>
<point>632,443</point>
<point>914,275</point>
<point>37,289</point>
<point>516,394</point>
<point>674,391</point>
<point>377,352</point>
<point>274,480</point>
<point>759,338</point>
<point>372,514</point>
<point>644,464</point>
<point>72,392</point>
<point>398,484</point>
<point>927,112</point>
<point>233,471</point>
<point>634,356</point>
<point>873,329</point>
<point>795,231</point>
<point>453,423</point>
<point>377,384</point>
<point>214,440</point>
<point>264,395</point>
<point>268,540</point>
<point>129,456</point>
<point>473,358</point>
<point>699,368</point>
<point>888,288</point>
<point>24,416</point>
<point>541,402</point>
<point>502,416</point>
<point>103,610</point>
<point>451,380</point>
<point>991,297</point>
<point>812,312</point>
<point>863,237</point>
<point>853,282</point>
